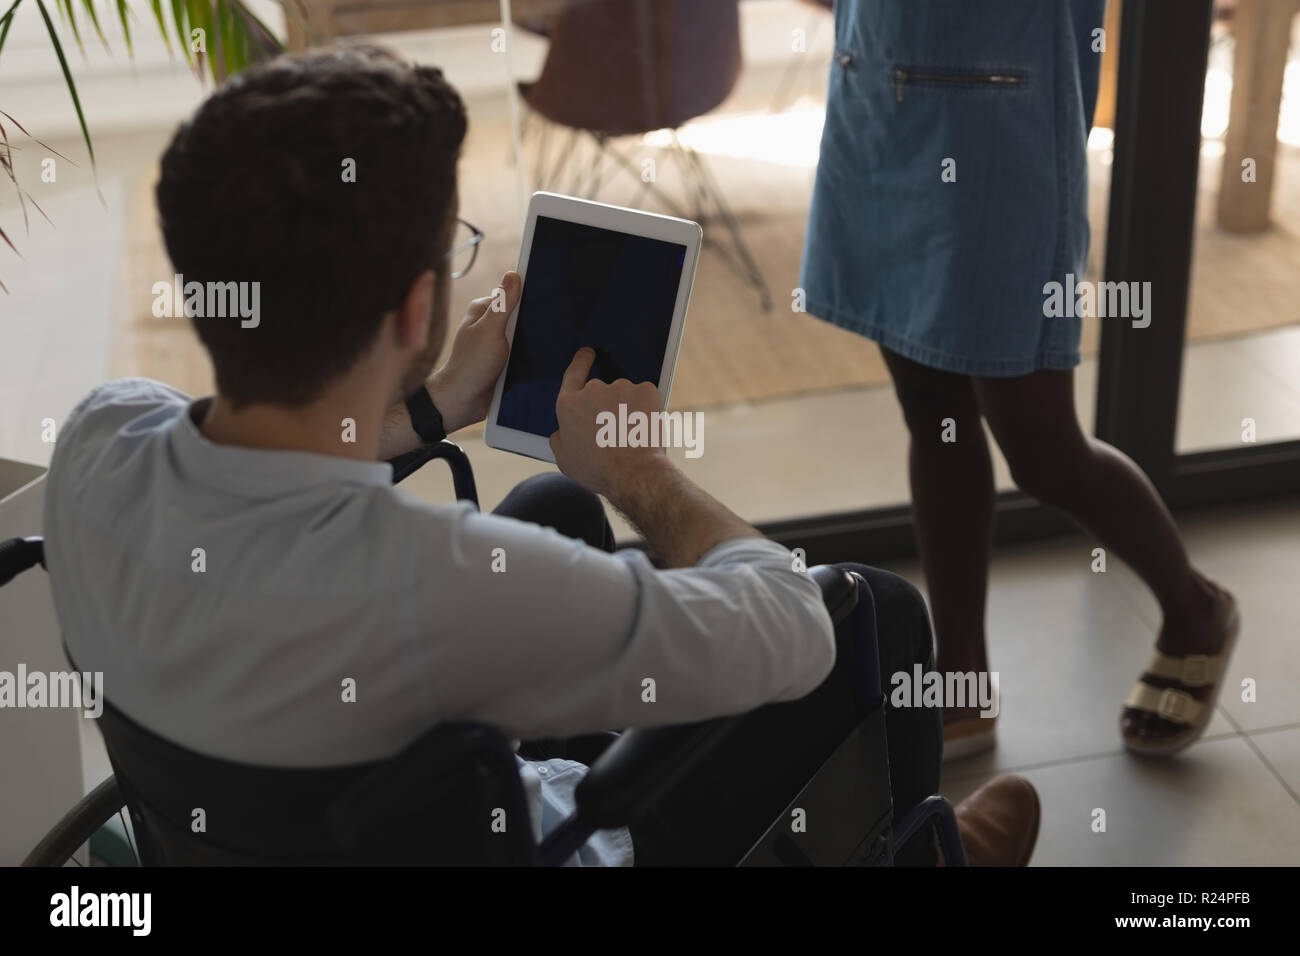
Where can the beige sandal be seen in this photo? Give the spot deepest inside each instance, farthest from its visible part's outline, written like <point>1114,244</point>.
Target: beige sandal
<point>1175,704</point>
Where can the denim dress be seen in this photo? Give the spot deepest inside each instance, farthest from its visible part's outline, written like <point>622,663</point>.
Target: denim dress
<point>953,182</point>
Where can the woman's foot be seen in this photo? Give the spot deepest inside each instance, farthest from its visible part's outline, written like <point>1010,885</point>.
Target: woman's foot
<point>965,732</point>
<point>1175,697</point>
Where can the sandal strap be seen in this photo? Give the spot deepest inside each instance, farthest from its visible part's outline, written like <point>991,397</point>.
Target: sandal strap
<point>1192,670</point>
<point>1174,705</point>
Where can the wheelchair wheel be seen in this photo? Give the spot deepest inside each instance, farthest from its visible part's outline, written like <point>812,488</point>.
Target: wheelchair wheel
<point>99,823</point>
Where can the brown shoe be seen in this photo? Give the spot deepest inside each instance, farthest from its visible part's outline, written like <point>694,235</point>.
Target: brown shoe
<point>998,823</point>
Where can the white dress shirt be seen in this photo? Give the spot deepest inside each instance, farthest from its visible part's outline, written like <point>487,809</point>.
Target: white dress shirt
<point>231,596</point>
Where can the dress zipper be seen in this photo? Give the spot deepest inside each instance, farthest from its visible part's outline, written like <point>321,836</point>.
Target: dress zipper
<point>902,77</point>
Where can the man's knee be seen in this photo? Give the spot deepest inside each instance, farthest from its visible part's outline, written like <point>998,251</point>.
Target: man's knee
<point>902,620</point>
<point>556,501</point>
<point>559,491</point>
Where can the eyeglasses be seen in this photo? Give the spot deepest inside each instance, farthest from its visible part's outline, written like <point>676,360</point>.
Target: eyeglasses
<point>465,248</point>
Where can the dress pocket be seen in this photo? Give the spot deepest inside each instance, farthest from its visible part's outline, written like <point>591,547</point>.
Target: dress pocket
<point>945,78</point>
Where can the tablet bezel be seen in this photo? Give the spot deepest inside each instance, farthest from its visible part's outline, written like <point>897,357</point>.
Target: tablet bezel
<point>618,219</point>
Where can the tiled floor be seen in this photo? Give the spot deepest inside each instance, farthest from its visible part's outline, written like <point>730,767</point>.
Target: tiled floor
<point>1067,644</point>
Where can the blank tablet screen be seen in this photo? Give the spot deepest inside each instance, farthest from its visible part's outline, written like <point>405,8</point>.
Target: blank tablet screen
<point>587,286</point>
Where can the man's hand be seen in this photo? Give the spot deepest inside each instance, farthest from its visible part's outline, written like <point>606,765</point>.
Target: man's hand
<point>681,522</point>
<point>462,388</point>
<point>603,470</point>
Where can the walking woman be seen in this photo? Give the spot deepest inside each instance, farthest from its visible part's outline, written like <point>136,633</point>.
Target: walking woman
<point>952,187</point>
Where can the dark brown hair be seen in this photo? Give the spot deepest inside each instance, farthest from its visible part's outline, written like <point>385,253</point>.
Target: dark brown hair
<point>252,188</point>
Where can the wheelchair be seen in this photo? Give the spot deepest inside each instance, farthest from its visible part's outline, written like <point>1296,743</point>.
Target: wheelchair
<point>412,809</point>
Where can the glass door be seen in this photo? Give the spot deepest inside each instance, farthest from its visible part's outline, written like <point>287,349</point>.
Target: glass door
<point>1205,395</point>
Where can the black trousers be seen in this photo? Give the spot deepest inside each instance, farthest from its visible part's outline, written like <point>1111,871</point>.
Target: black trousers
<point>721,808</point>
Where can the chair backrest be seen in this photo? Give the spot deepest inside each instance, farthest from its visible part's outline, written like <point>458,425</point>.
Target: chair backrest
<point>632,66</point>
<point>18,555</point>
<point>434,803</point>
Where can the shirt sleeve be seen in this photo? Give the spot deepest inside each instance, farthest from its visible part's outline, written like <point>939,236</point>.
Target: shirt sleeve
<point>96,420</point>
<point>561,638</point>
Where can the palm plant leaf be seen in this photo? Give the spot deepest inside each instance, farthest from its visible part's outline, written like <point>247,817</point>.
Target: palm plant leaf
<point>94,19</point>
<point>67,76</point>
<point>231,48</point>
<point>178,19</point>
<point>233,38</point>
<point>68,13</point>
<point>199,13</point>
<point>22,129</point>
<point>7,163</point>
<point>126,25</point>
<point>6,20</point>
<point>156,6</point>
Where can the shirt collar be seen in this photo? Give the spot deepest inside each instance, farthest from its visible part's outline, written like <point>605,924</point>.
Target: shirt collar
<point>262,471</point>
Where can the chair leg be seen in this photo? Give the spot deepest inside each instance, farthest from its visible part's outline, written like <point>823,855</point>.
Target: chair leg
<point>668,203</point>
<point>565,157</point>
<point>542,179</point>
<point>795,64</point>
<point>709,191</point>
<point>591,175</point>
<point>539,166</point>
<point>705,193</point>
<point>525,124</point>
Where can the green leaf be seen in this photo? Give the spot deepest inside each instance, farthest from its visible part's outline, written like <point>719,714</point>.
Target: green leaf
<point>67,76</point>
<point>200,12</point>
<point>247,37</point>
<point>94,18</point>
<point>178,17</point>
<point>230,40</point>
<point>126,26</point>
<point>156,6</point>
<point>6,21</point>
<point>69,14</point>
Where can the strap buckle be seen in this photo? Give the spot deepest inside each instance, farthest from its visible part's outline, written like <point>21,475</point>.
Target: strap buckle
<point>1173,705</point>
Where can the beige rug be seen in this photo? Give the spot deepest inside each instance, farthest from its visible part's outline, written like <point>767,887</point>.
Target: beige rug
<point>733,351</point>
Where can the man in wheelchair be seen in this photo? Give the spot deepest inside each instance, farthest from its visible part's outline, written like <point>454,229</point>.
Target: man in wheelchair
<point>253,588</point>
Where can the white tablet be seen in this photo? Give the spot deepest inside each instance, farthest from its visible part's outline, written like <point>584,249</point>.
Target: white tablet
<point>615,279</point>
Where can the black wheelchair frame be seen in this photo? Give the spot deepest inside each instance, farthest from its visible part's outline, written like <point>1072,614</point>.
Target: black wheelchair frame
<point>411,808</point>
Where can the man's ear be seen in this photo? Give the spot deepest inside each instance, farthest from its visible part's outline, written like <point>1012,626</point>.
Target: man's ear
<point>412,326</point>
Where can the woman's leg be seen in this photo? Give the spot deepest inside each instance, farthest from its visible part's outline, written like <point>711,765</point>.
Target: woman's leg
<point>952,505</point>
<point>1033,419</point>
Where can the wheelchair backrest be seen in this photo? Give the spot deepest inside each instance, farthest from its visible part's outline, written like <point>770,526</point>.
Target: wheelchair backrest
<point>434,803</point>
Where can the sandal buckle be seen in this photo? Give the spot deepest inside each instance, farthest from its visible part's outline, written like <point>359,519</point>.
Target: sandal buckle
<point>1197,670</point>
<point>1173,705</point>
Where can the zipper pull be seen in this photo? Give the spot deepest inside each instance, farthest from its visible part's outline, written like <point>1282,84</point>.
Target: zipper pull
<point>899,78</point>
